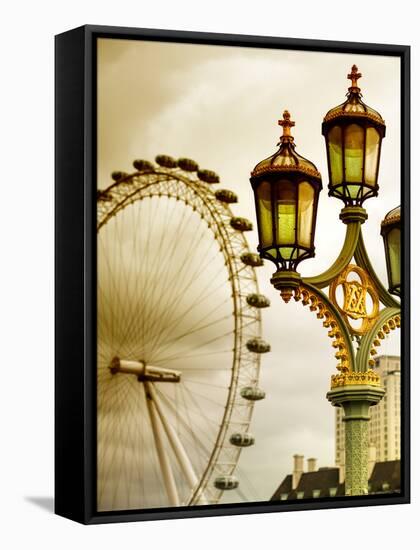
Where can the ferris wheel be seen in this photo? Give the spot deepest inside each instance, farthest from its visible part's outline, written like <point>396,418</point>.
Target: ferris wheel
<point>179,337</point>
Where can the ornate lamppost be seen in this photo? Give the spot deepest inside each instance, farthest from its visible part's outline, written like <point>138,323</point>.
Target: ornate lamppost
<point>286,188</point>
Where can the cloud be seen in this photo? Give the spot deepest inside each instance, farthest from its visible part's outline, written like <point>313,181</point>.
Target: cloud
<point>220,106</point>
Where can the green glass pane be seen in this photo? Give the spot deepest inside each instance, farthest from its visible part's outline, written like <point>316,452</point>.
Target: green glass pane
<point>353,151</point>
<point>265,226</point>
<point>353,190</point>
<point>271,252</point>
<point>335,150</point>
<point>372,155</point>
<point>287,253</point>
<point>394,237</point>
<point>286,212</point>
<point>305,213</point>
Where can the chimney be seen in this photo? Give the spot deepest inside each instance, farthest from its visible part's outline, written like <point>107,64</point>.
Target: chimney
<point>297,470</point>
<point>311,464</point>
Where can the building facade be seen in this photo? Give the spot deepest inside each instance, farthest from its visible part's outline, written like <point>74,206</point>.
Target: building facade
<point>385,422</point>
<point>325,482</point>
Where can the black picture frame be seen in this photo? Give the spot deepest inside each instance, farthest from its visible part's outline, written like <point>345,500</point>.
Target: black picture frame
<point>75,271</point>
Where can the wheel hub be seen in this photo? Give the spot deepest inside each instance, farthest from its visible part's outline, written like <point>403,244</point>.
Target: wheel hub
<point>144,373</point>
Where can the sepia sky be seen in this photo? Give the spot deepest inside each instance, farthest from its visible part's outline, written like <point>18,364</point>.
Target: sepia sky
<point>220,107</point>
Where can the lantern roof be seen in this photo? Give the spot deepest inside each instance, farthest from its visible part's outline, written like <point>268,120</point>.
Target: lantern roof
<point>286,159</point>
<point>354,106</point>
<point>394,216</point>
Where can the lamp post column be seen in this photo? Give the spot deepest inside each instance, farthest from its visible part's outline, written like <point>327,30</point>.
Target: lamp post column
<point>356,398</point>
<point>286,188</point>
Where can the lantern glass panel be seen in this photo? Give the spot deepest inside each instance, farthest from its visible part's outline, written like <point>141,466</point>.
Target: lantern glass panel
<point>286,212</point>
<point>354,152</point>
<point>393,239</point>
<point>372,155</point>
<point>335,150</point>
<point>288,253</point>
<point>305,213</point>
<point>265,226</point>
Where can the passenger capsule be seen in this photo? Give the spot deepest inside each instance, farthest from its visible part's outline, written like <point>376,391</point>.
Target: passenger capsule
<point>208,176</point>
<point>116,176</point>
<point>142,165</point>
<point>242,440</point>
<point>103,196</point>
<point>226,483</point>
<point>252,393</point>
<point>188,165</point>
<point>225,195</point>
<point>257,300</point>
<point>252,259</point>
<point>166,161</point>
<point>241,224</point>
<point>258,345</point>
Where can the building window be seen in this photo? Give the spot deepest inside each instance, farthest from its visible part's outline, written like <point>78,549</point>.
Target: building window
<point>333,491</point>
<point>283,496</point>
<point>300,494</point>
<point>316,493</point>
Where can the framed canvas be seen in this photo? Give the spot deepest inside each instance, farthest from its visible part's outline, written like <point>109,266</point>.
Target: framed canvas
<point>190,231</point>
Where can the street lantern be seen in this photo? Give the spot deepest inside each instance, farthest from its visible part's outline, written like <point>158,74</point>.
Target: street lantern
<point>391,233</point>
<point>286,188</point>
<point>353,133</point>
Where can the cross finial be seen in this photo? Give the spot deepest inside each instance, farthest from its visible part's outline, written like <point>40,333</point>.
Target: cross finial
<point>287,124</point>
<point>354,76</point>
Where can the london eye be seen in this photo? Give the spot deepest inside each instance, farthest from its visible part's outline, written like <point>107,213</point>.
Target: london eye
<point>179,337</point>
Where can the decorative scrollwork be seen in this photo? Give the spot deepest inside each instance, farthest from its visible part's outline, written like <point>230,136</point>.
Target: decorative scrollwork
<point>338,113</point>
<point>287,168</point>
<point>355,378</point>
<point>370,341</point>
<point>391,324</point>
<point>330,320</point>
<point>355,298</point>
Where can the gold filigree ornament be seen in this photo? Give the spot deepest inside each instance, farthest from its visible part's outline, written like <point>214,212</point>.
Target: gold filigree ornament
<point>370,378</point>
<point>354,304</point>
<point>318,306</point>
<point>392,324</point>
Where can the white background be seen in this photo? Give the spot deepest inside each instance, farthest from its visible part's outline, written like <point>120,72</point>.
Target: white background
<point>26,300</point>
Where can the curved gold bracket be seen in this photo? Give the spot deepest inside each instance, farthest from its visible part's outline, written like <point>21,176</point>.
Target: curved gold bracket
<point>391,324</point>
<point>388,319</point>
<point>341,340</point>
